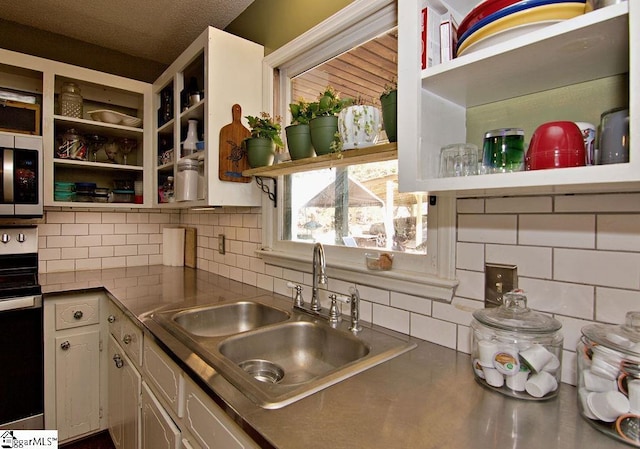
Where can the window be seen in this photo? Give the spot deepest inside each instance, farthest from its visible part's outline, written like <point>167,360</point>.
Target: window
<point>357,208</point>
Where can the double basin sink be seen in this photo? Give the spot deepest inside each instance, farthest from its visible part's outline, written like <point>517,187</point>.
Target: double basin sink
<point>277,356</point>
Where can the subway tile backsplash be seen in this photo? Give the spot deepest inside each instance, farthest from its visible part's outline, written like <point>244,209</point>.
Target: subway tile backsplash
<point>578,258</point>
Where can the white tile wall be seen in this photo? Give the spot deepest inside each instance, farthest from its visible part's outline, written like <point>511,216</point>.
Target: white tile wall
<point>578,258</point>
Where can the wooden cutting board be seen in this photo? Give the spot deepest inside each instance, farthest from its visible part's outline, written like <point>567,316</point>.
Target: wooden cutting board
<point>233,157</point>
<point>190,247</point>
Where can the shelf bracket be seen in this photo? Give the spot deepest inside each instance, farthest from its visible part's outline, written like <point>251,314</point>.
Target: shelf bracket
<point>273,196</point>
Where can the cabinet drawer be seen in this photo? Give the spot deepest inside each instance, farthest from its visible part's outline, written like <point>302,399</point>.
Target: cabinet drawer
<point>158,430</point>
<point>131,340</point>
<point>76,312</point>
<point>114,318</point>
<point>210,426</point>
<point>165,375</point>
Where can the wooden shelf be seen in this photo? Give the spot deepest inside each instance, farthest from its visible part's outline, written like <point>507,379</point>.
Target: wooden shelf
<point>377,153</point>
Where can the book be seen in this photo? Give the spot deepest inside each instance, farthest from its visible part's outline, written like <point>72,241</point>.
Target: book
<point>448,37</point>
<point>430,37</point>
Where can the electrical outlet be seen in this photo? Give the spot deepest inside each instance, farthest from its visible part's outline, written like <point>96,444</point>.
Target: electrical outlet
<point>498,279</point>
<point>221,240</point>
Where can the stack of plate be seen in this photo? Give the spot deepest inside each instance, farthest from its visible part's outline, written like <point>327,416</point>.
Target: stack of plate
<point>494,21</point>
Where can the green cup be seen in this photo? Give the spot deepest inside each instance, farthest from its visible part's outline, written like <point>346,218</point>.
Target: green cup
<point>503,150</point>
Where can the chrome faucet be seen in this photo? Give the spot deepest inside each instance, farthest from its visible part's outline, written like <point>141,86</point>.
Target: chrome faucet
<point>319,272</point>
<point>355,310</point>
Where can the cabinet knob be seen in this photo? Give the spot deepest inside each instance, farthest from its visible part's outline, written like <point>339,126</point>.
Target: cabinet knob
<point>126,339</point>
<point>118,361</point>
<point>5,238</point>
<point>65,345</point>
<point>22,237</point>
<point>78,314</point>
<point>111,319</point>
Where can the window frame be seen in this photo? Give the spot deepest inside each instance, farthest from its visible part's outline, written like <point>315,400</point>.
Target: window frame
<point>431,275</point>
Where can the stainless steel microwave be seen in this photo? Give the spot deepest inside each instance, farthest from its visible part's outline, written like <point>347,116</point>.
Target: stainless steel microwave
<point>20,175</point>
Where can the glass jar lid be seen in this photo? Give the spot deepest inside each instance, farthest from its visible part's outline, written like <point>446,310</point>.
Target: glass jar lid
<point>503,132</point>
<point>514,315</point>
<point>624,338</point>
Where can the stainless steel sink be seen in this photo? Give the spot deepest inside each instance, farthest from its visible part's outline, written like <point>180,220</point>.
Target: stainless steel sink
<point>302,350</point>
<point>227,319</point>
<point>286,356</point>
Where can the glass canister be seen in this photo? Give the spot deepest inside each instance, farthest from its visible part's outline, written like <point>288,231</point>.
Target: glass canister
<point>70,100</point>
<point>503,150</point>
<point>187,180</point>
<point>516,350</point>
<point>609,378</point>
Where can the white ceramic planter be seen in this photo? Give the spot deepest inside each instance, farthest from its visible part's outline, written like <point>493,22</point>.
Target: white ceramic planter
<point>359,126</point>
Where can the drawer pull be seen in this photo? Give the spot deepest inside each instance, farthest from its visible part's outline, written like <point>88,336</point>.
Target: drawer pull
<point>65,345</point>
<point>78,314</point>
<point>118,361</point>
<point>111,319</point>
<point>126,339</point>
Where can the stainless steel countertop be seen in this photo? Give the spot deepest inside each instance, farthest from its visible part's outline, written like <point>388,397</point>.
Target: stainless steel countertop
<point>426,398</point>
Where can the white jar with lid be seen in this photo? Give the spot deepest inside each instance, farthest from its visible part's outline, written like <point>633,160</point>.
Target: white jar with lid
<point>70,100</point>
<point>609,378</point>
<point>187,180</point>
<point>517,351</point>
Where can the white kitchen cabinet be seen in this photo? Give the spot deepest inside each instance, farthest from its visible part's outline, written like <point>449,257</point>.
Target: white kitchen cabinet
<point>437,102</point>
<point>165,375</point>
<point>124,379</point>
<point>228,71</point>
<point>100,91</point>
<point>158,429</point>
<point>124,398</point>
<point>208,424</point>
<point>75,393</point>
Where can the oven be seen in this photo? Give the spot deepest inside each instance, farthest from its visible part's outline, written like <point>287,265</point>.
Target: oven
<point>21,331</point>
<point>20,175</point>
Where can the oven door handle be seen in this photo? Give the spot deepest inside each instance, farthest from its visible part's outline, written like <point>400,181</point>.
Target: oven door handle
<point>20,303</point>
<point>7,177</point>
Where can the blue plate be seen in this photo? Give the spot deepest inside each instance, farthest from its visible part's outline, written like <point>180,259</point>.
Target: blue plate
<point>520,6</point>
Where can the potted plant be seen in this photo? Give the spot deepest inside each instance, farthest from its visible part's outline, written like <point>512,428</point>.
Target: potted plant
<point>324,124</point>
<point>265,135</point>
<point>388,100</point>
<point>298,133</point>
<point>359,124</point>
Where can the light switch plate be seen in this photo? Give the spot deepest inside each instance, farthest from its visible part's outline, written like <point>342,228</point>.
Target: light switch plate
<point>221,240</point>
<point>498,279</point>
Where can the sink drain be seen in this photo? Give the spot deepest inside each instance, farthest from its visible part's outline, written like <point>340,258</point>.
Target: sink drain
<point>263,370</point>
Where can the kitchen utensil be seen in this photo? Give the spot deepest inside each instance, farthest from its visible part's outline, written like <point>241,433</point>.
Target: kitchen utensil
<point>503,150</point>
<point>609,359</point>
<point>555,145</point>
<point>614,136</point>
<point>233,159</point>
<point>500,337</point>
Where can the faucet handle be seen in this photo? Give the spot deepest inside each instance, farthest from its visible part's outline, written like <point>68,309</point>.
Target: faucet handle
<point>334,313</point>
<point>298,301</point>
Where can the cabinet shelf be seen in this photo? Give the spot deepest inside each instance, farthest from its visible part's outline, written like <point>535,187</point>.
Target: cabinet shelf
<point>594,45</point>
<point>92,126</point>
<point>101,165</point>
<point>377,153</point>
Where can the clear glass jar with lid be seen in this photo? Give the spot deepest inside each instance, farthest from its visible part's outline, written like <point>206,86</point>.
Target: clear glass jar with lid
<point>516,350</point>
<point>609,378</point>
<point>70,100</point>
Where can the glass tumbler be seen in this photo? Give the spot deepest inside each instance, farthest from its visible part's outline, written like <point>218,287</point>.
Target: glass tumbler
<point>503,150</point>
<point>458,159</point>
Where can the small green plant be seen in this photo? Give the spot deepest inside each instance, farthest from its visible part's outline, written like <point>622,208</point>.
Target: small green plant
<point>301,114</point>
<point>266,127</point>
<point>337,145</point>
<point>390,86</point>
<point>329,103</point>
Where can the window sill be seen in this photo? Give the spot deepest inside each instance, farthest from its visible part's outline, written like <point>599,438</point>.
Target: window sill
<point>402,281</point>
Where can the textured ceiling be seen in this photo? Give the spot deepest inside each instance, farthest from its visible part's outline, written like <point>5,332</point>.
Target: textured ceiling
<point>158,30</point>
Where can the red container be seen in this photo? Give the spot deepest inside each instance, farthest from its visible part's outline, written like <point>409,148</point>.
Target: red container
<point>556,145</point>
